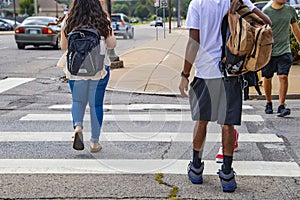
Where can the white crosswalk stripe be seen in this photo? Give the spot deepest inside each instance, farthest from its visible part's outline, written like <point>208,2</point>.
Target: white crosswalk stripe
<point>175,113</point>
<point>137,107</point>
<point>9,83</point>
<point>164,117</point>
<point>132,136</point>
<point>138,166</point>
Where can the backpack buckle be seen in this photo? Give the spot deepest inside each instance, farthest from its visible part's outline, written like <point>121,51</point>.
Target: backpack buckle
<point>82,34</point>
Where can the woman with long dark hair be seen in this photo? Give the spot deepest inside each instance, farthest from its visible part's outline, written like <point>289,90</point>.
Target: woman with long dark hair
<point>88,89</point>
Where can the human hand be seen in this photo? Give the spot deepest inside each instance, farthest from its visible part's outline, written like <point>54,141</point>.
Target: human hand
<point>183,87</point>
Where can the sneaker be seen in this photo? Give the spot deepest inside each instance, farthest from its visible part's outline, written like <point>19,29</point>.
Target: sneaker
<point>219,157</point>
<point>269,108</point>
<point>282,111</point>
<point>227,181</point>
<point>195,174</point>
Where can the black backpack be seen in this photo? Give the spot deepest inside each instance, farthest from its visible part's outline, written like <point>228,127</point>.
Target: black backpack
<point>86,52</point>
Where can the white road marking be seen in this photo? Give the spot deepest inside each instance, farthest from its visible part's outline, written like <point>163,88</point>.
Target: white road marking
<point>9,83</point>
<point>137,107</point>
<point>132,136</point>
<point>3,47</point>
<point>162,117</point>
<point>138,166</point>
<point>132,107</point>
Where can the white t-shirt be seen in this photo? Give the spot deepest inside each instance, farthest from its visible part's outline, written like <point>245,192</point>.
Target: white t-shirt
<point>206,16</point>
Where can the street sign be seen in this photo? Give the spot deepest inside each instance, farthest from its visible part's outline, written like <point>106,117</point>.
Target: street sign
<point>164,3</point>
<point>156,3</point>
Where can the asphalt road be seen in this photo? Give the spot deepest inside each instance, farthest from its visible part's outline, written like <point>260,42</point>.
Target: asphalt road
<point>143,136</point>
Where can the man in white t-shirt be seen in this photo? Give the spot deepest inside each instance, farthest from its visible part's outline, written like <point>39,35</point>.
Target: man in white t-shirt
<point>211,97</point>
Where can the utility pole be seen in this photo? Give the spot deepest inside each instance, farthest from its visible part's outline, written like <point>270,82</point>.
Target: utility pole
<point>56,6</point>
<point>15,14</point>
<point>170,15</point>
<point>178,14</point>
<point>35,8</point>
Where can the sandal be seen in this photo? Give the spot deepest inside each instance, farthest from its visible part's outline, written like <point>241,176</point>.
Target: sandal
<point>95,147</point>
<point>78,141</point>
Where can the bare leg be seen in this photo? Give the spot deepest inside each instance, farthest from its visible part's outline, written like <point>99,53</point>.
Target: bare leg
<point>228,140</point>
<point>283,79</point>
<point>199,135</point>
<point>268,89</point>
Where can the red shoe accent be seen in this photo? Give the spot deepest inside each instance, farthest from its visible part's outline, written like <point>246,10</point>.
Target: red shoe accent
<point>236,144</point>
<point>219,157</point>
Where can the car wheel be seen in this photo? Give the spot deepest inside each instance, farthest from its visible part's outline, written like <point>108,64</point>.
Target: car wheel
<point>57,45</point>
<point>132,34</point>
<point>125,36</point>
<point>21,45</point>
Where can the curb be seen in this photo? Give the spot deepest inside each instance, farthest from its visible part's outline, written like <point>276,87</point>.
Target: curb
<point>7,32</point>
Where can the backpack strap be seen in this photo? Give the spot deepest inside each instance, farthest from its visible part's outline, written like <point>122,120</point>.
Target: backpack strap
<point>224,27</point>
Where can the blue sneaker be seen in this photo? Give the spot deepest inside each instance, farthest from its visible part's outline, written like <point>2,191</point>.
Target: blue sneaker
<point>269,108</point>
<point>195,174</point>
<point>282,111</point>
<point>227,181</point>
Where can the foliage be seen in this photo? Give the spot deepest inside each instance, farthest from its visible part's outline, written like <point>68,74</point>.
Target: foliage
<point>141,11</point>
<point>67,2</point>
<point>120,8</point>
<point>295,47</point>
<point>145,8</point>
<point>26,7</point>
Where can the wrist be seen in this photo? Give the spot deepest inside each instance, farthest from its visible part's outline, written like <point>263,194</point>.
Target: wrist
<point>184,75</point>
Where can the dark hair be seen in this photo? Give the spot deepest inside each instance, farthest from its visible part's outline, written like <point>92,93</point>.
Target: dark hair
<point>88,13</point>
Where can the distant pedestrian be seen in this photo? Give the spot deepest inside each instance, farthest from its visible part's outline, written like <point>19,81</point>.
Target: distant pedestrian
<point>283,17</point>
<point>88,89</point>
<point>212,98</point>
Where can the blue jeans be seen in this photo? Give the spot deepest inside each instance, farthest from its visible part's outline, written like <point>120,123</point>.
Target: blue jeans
<point>92,91</point>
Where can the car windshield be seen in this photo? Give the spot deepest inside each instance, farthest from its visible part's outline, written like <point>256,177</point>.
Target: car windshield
<point>38,21</point>
<point>115,18</point>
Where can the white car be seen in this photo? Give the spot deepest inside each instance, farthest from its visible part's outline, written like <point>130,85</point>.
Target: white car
<point>121,25</point>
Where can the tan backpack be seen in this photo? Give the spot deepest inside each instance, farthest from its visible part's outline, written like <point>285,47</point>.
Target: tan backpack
<point>247,40</point>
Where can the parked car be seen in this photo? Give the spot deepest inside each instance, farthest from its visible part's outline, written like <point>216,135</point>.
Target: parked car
<point>9,24</point>
<point>158,22</point>
<point>4,26</point>
<point>36,31</point>
<point>260,4</point>
<point>134,20</point>
<point>121,25</point>
<point>294,3</point>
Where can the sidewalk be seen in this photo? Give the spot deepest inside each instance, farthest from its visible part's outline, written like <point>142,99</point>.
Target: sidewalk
<point>155,66</point>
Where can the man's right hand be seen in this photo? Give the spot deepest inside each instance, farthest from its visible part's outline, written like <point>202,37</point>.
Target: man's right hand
<point>183,87</point>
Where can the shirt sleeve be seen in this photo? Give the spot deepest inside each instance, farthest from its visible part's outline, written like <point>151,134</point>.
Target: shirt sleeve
<point>193,16</point>
<point>294,15</point>
<point>250,5</point>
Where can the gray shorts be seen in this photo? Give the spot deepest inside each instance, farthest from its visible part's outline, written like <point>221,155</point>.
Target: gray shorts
<point>217,100</point>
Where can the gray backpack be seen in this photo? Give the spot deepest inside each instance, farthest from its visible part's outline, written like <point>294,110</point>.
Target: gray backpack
<point>86,52</point>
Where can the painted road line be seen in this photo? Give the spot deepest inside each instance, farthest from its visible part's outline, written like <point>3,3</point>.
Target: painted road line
<point>9,83</point>
<point>132,107</point>
<point>162,117</point>
<point>137,107</point>
<point>138,166</point>
<point>132,136</point>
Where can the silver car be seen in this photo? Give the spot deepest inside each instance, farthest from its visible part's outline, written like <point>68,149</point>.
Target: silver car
<point>36,31</point>
<point>121,26</point>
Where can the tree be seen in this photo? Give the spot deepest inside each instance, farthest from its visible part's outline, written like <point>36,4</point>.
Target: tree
<point>141,11</point>
<point>26,7</point>
<point>120,8</point>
